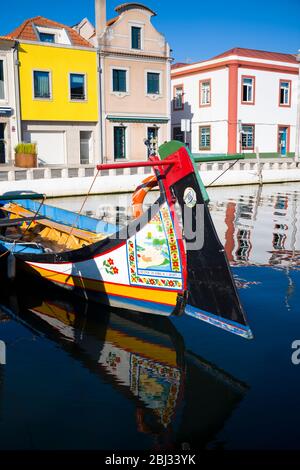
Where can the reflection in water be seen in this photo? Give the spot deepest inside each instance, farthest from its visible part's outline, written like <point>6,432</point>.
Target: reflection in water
<point>178,397</point>
<point>261,225</point>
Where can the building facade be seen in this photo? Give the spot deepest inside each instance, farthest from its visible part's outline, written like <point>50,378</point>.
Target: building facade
<point>9,112</point>
<point>240,101</point>
<point>59,92</point>
<point>134,59</point>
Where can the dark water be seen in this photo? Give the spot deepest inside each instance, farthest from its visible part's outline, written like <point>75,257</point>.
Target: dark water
<point>81,377</point>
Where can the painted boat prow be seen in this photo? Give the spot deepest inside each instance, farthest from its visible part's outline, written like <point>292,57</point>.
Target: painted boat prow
<point>212,294</point>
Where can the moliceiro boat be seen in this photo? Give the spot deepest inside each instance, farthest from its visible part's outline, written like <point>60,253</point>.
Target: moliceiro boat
<point>166,261</point>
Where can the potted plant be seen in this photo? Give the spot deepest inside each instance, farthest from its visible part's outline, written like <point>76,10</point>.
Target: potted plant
<point>26,155</point>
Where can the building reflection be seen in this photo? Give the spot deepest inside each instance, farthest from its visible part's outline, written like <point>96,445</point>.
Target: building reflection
<point>178,396</point>
<point>260,228</point>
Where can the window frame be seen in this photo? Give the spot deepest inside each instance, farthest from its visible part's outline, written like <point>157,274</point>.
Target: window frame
<point>253,140</point>
<point>175,108</point>
<point>253,78</point>
<point>35,98</point>
<point>3,60</point>
<point>283,105</point>
<point>204,105</point>
<point>158,72</point>
<point>85,88</point>
<point>201,148</point>
<point>47,34</point>
<point>141,27</point>
<point>120,93</point>
<point>118,159</point>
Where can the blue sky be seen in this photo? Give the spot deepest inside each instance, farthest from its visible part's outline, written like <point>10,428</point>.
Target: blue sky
<point>195,29</point>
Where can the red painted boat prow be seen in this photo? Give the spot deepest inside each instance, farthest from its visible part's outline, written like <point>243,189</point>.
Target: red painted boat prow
<point>168,261</point>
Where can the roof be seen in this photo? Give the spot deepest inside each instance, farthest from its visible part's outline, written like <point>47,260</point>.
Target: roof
<point>27,32</point>
<point>112,20</point>
<point>6,38</point>
<point>250,53</point>
<point>257,54</point>
<point>179,64</point>
<point>131,6</point>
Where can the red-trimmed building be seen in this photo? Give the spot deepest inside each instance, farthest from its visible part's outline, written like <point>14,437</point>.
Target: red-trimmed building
<point>237,101</point>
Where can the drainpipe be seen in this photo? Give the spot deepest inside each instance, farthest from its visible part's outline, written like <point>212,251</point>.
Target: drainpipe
<point>17,90</point>
<point>297,147</point>
<point>100,104</point>
<point>100,26</point>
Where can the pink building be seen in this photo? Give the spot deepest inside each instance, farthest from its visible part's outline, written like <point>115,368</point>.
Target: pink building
<point>134,80</point>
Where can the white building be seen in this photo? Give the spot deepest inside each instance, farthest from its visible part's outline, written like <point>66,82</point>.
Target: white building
<point>9,112</point>
<point>238,101</point>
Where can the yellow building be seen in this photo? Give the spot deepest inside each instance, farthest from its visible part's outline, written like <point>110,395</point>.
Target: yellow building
<point>59,97</point>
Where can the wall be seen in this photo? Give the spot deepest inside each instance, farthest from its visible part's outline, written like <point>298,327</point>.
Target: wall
<point>215,115</point>
<point>60,61</point>
<point>11,135</point>
<point>266,114</point>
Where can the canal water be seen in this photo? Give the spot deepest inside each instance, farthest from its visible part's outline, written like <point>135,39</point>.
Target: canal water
<point>79,376</point>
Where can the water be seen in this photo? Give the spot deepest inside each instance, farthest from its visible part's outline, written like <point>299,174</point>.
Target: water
<point>81,377</point>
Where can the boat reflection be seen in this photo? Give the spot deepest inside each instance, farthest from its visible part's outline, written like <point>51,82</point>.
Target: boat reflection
<point>178,396</point>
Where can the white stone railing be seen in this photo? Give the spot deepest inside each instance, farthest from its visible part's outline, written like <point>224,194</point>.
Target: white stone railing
<point>19,174</point>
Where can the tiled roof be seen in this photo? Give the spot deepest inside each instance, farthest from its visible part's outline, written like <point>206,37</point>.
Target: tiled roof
<point>130,6</point>
<point>112,21</point>
<point>26,31</point>
<point>7,38</point>
<point>254,53</point>
<point>179,64</point>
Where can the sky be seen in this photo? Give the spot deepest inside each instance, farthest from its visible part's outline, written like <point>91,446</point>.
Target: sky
<point>195,29</point>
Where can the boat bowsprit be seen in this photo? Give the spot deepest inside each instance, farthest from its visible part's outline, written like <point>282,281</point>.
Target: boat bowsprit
<point>167,261</point>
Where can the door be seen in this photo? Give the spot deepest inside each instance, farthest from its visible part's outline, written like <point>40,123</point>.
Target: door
<point>282,140</point>
<point>86,147</point>
<point>152,137</point>
<point>2,143</point>
<point>50,147</point>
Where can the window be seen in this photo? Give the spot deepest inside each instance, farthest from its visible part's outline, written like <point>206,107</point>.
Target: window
<point>2,94</point>
<point>47,37</point>
<point>152,137</point>
<point>153,85</point>
<point>178,134</point>
<point>41,85</point>
<point>119,142</point>
<point>119,80</point>
<point>205,92</point>
<point>86,143</point>
<point>204,138</point>
<point>77,86</point>
<point>248,137</point>
<point>285,93</point>
<point>248,86</point>
<point>178,97</point>
<point>136,37</point>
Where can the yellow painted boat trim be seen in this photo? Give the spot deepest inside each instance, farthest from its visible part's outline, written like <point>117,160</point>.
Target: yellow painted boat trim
<point>138,293</point>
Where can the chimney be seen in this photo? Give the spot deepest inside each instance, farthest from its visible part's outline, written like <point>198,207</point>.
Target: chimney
<point>100,19</point>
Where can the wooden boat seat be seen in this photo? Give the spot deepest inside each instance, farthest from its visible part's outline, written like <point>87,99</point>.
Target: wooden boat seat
<point>7,222</point>
<point>60,235</point>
